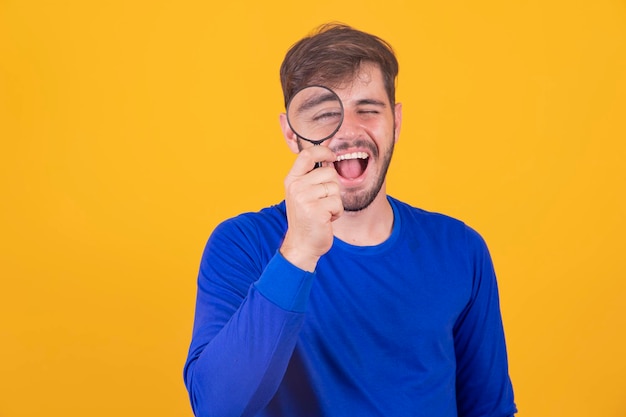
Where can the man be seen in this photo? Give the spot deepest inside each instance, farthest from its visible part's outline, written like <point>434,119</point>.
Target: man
<point>342,300</point>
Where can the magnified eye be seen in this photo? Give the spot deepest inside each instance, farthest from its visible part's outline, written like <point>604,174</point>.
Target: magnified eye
<point>330,116</point>
<point>315,113</point>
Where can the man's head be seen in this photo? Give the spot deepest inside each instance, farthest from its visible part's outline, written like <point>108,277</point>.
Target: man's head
<point>332,55</point>
<point>361,69</point>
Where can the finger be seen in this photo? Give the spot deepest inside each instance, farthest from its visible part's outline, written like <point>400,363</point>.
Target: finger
<point>310,182</point>
<point>307,158</point>
<point>329,189</point>
<point>333,206</point>
<point>324,190</point>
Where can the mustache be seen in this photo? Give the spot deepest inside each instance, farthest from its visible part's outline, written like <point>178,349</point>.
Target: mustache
<point>359,143</point>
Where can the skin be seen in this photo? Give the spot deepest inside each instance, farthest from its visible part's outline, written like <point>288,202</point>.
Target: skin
<point>315,198</point>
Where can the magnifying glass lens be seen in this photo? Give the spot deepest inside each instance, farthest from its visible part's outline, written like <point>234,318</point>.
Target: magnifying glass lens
<point>315,114</point>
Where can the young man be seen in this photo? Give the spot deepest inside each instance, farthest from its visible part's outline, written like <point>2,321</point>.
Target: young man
<point>341,300</point>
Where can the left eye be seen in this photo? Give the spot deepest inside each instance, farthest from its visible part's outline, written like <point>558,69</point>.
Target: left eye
<point>330,114</point>
<point>327,116</point>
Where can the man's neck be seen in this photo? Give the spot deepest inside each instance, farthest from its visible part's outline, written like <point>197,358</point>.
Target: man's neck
<point>368,227</point>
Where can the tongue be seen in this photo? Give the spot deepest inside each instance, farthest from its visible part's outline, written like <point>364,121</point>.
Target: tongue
<point>349,168</point>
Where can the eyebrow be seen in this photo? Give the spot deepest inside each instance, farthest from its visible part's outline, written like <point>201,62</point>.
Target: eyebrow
<point>371,101</point>
<point>319,99</point>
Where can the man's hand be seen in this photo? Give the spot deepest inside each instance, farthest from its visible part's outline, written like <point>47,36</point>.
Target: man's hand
<point>313,203</point>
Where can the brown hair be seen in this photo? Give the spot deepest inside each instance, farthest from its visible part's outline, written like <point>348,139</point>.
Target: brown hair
<point>333,53</point>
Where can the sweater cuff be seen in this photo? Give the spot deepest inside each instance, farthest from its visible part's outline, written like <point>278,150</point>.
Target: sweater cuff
<point>285,284</point>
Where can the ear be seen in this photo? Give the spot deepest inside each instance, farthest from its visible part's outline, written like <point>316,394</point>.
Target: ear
<point>398,121</point>
<point>290,137</point>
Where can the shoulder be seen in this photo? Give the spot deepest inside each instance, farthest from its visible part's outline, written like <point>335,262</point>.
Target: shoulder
<point>269,219</point>
<point>251,232</point>
<point>436,226</point>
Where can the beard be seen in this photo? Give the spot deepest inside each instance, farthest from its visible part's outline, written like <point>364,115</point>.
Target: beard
<point>354,201</point>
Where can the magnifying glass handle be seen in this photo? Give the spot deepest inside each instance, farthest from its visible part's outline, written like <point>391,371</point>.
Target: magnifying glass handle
<point>317,164</point>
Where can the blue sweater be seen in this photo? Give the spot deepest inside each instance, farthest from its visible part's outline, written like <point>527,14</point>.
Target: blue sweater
<point>410,327</point>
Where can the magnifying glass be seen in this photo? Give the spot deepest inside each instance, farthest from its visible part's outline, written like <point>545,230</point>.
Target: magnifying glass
<point>315,114</point>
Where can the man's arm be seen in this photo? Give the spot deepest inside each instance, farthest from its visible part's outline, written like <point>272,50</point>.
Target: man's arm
<point>483,385</point>
<point>249,313</point>
<point>246,325</point>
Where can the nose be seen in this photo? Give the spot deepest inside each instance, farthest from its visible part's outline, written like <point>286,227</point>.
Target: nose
<point>350,127</point>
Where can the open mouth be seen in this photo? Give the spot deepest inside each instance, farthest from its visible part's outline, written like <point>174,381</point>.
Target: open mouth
<point>351,165</point>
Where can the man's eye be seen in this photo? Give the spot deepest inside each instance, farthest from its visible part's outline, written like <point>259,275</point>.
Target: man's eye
<point>327,116</point>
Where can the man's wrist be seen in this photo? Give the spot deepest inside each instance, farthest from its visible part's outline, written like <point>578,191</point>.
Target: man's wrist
<point>285,284</point>
<point>298,258</point>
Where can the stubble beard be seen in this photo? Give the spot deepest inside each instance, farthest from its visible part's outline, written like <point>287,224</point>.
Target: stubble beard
<point>354,201</point>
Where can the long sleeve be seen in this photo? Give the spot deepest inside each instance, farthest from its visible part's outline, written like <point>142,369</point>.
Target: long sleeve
<point>249,311</point>
<point>483,385</point>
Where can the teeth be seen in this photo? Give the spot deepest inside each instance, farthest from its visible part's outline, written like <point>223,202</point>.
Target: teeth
<point>353,155</point>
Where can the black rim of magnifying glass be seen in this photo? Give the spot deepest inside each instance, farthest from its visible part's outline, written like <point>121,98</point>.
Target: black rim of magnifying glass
<point>318,141</point>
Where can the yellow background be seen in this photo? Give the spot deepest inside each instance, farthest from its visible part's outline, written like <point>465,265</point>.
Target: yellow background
<point>129,129</point>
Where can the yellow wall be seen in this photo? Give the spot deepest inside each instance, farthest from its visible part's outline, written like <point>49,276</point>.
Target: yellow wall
<point>129,129</point>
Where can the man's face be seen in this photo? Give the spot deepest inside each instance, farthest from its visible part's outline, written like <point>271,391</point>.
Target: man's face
<point>364,143</point>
